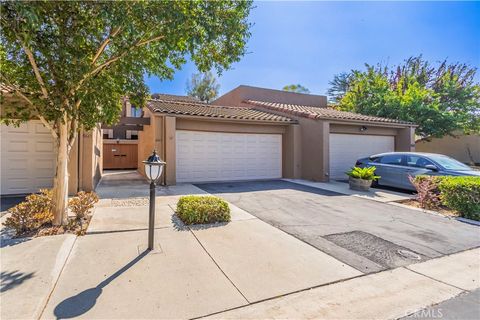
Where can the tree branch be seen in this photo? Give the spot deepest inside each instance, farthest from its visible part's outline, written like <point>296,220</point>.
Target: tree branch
<point>104,44</point>
<point>36,71</point>
<point>139,43</point>
<point>24,97</point>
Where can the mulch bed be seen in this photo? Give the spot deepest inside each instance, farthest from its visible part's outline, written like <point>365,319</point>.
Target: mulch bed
<point>78,227</point>
<point>441,209</point>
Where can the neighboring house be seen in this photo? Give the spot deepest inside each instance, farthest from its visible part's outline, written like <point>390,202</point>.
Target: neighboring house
<point>255,133</point>
<point>464,148</point>
<point>249,133</point>
<point>120,142</point>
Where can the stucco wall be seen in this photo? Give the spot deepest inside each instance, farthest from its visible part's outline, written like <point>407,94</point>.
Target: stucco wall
<point>241,93</point>
<point>465,148</point>
<point>85,163</point>
<point>146,142</point>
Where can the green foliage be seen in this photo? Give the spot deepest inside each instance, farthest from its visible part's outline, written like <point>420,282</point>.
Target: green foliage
<point>298,88</point>
<point>72,61</point>
<point>82,203</point>
<point>202,209</point>
<point>367,173</point>
<point>32,213</point>
<point>440,99</point>
<point>462,194</point>
<point>203,86</point>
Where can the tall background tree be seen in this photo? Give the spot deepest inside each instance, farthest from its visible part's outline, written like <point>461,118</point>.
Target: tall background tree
<point>441,98</point>
<point>298,88</point>
<point>72,61</point>
<point>203,86</point>
<point>338,86</point>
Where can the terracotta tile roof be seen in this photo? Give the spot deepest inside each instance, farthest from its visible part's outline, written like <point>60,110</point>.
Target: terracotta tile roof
<point>320,113</point>
<point>194,108</point>
<point>164,96</point>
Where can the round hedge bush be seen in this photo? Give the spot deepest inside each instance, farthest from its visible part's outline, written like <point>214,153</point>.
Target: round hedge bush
<point>202,209</point>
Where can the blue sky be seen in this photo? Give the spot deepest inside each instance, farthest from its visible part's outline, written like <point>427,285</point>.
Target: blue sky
<point>310,42</point>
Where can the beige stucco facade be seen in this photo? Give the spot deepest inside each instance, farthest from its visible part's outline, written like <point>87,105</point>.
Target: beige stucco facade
<point>85,163</point>
<point>312,141</point>
<point>464,148</point>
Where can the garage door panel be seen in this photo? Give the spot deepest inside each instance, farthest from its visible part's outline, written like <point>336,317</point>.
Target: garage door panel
<point>27,158</point>
<point>215,156</point>
<point>345,149</point>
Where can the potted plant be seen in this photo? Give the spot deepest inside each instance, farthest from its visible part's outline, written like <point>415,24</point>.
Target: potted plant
<point>361,178</point>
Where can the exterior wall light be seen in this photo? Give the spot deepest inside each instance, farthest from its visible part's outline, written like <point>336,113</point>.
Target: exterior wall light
<point>153,170</point>
<point>363,128</point>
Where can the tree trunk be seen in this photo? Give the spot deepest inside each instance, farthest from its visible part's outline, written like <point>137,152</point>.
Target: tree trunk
<point>60,192</point>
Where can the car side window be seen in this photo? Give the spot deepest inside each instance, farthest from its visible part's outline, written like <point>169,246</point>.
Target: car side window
<point>394,159</point>
<point>417,161</point>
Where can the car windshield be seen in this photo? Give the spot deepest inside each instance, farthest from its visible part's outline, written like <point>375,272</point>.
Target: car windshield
<point>450,164</point>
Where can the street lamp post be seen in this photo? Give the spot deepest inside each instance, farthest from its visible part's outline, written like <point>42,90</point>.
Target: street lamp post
<point>153,171</point>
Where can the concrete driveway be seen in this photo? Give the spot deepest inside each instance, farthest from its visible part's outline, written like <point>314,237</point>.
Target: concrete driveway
<point>365,234</point>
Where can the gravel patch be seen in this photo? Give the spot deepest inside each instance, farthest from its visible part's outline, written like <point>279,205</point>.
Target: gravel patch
<point>132,202</point>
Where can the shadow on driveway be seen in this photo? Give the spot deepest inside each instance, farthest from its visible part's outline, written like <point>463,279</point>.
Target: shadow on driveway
<point>255,186</point>
<point>6,202</point>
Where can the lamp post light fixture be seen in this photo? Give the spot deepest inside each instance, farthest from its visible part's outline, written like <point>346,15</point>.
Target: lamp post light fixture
<point>153,170</point>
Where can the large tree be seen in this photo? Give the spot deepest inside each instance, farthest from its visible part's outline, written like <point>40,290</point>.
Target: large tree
<point>298,88</point>
<point>441,98</point>
<point>203,86</point>
<point>72,61</point>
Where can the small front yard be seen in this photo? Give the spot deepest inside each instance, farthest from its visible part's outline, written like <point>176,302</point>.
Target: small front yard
<point>448,195</point>
<point>34,218</point>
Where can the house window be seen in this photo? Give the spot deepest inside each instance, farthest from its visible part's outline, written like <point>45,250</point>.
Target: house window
<point>107,133</point>
<point>136,112</point>
<point>132,134</point>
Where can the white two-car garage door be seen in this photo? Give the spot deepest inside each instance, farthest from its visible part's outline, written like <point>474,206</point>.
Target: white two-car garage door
<point>218,156</point>
<point>345,149</point>
<point>27,158</point>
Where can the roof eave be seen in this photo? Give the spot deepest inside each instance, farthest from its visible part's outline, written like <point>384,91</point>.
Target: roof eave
<point>209,118</point>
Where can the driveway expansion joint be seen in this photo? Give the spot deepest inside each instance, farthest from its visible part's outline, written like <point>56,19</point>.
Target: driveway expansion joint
<point>58,278</point>
<point>437,280</point>
<point>218,266</point>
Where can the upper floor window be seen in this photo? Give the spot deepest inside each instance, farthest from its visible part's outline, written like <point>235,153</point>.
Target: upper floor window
<point>136,112</point>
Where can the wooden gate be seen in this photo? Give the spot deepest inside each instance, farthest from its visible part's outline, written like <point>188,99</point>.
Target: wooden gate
<point>119,156</point>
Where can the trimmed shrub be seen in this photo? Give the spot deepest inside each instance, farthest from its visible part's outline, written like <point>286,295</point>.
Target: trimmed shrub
<point>32,213</point>
<point>202,209</point>
<point>461,194</point>
<point>82,203</point>
<point>428,192</point>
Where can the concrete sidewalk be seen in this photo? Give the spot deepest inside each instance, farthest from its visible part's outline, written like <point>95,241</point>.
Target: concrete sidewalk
<point>386,295</point>
<point>30,268</point>
<point>379,195</point>
<point>192,273</point>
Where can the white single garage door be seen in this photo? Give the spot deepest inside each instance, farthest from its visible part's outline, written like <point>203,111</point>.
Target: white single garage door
<point>27,158</point>
<point>218,156</point>
<point>345,149</point>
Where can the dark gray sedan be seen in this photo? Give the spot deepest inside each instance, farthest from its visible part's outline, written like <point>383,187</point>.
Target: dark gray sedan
<point>395,167</point>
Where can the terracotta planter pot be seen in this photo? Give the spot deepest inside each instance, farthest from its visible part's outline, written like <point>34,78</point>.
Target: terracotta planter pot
<point>359,184</point>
